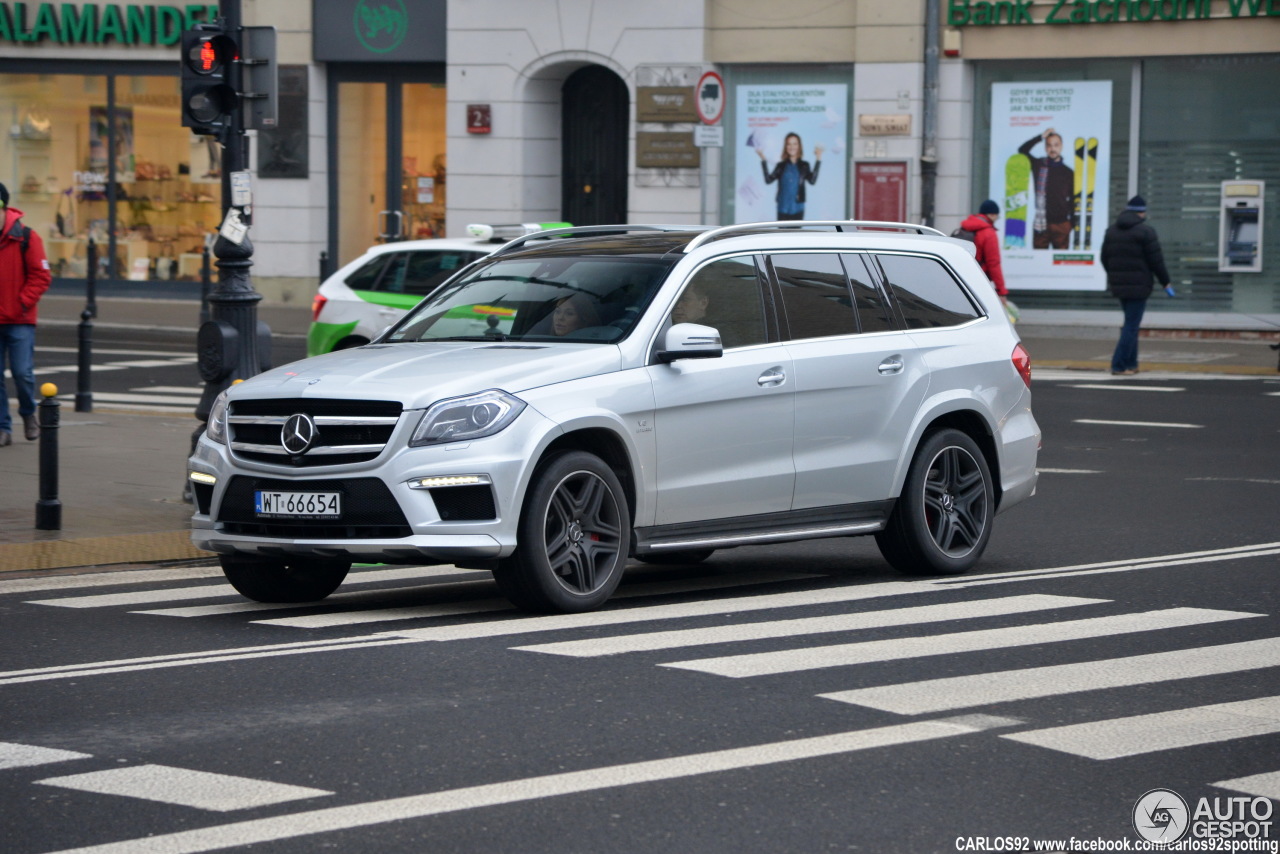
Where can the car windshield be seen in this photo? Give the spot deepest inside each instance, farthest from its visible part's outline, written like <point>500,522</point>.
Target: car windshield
<point>562,298</point>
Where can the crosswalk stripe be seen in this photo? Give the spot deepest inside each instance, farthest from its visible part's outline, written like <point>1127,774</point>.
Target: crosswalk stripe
<point>26,755</point>
<point>1263,785</point>
<point>244,833</point>
<point>523,625</point>
<point>106,579</point>
<point>809,625</point>
<point>1132,736</point>
<point>124,397</point>
<point>1172,424</point>
<point>210,591</point>
<point>1124,387</point>
<point>199,789</point>
<point>355,618</point>
<point>961,692</point>
<point>813,658</point>
<point>158,662</point>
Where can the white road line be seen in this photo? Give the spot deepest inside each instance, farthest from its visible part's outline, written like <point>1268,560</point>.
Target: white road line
<point>106,579</point>
<point>71,369</point>
<point>27,755</point>
<point>150,363</point>
<point>364,617</point>
<point>160,662</point>
<point>794,599</point>
<point>212,591</point>
<point>809,625</point>
<point>1068,471</point>
<point>1183,559</point>
<point>960,692</point>
<point>533,788</point>
<point>171,389</point>
<point>1123,387</point>
<point>199,789</point>
<point>1264,785</point>
<point>125,397</point>
<point>840,655</point>
<point>108,351</point>
<point>1112,739</point>
<point>1140,423</point>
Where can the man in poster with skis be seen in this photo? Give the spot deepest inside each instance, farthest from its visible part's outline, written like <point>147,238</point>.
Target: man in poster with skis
<point>1054,183</point>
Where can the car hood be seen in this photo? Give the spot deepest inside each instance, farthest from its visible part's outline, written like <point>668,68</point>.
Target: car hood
<point>419,374</point>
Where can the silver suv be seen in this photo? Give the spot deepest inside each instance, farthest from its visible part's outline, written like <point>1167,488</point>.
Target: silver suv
<point>589,395</point>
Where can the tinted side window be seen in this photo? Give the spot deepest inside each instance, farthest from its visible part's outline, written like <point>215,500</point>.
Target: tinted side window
<point>426,270</point>
<point>815,295</point>
<point>927,295</point>
<point>366,277</point>
<point>874,314</point>
<point>725,294</point>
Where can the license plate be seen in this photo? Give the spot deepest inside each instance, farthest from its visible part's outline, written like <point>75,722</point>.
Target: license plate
<point>298,505</point>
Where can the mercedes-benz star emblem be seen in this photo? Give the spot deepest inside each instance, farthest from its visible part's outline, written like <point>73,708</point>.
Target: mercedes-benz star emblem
<point>298,433</point>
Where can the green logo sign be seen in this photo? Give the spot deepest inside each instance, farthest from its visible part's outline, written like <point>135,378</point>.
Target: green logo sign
<point>381,24</point>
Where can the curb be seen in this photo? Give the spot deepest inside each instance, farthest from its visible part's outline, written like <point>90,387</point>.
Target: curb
<point>100,551</point>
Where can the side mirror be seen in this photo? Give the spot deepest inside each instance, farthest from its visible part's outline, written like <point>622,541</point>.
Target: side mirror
<point>690,341</point>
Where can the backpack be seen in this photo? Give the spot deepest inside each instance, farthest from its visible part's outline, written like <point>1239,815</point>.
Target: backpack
<point>964,234</point>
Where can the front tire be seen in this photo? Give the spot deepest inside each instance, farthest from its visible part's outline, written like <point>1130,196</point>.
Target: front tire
<point>295,579</point>
<point>942,521</point>
<point>573,537</point>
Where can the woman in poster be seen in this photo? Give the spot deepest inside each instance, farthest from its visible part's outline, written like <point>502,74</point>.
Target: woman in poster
<point>791,173</point>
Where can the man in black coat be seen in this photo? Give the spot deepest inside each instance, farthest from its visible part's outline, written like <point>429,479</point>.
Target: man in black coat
<point>1132,258</point>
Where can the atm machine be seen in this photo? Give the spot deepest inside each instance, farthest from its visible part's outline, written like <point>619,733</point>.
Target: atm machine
<point>1240,231</point>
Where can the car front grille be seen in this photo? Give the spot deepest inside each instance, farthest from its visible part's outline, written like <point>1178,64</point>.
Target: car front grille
<point>369,510</point>
<point>347,431</point>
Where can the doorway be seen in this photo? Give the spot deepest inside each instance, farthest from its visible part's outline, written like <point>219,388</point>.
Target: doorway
<point>387,156</point>
<point>594,116</point>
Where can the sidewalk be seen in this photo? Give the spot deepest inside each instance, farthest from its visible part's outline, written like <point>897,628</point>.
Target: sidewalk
<point>122,473</point>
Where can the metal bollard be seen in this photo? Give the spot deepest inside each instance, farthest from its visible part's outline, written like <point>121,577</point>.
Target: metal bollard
<point>48,508</point>
<point>84,390</point>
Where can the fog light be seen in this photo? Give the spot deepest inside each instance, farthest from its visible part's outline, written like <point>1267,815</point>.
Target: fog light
<point>201,477</point>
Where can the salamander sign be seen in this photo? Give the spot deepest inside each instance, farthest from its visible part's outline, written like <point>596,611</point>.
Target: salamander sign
<point>127,24</point>
<point>980,13</point>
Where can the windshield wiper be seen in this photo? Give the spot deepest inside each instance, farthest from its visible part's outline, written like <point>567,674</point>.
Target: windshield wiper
<point>496,336</point>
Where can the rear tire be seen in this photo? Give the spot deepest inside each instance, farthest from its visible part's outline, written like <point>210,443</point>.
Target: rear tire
<point>573,537</point>
<point>295,579</point>
<point>681,558</point>
<point>942,521</point>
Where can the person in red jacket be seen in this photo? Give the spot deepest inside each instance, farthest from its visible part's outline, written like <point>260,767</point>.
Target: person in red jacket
<point>24,277</point>
<point>987,239</point>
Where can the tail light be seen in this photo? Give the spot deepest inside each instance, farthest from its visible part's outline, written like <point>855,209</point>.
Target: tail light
<point>1022,363</point>
<point>317,305</point>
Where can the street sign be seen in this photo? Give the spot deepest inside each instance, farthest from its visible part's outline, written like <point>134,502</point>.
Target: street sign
<point>710,99</point>
<point>708,136</point>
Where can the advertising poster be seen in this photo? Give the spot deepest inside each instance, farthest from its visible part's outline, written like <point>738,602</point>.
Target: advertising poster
<point>1050,172</point>
<point>791,161</point>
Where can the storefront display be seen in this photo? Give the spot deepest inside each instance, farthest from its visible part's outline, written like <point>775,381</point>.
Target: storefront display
<point>105,157</point>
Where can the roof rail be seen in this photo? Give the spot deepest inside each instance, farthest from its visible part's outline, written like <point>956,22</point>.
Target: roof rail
<point>838,224</point>
<point>578,230</point>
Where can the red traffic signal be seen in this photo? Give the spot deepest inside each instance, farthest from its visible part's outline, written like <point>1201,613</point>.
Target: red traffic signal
<point>209,98</point>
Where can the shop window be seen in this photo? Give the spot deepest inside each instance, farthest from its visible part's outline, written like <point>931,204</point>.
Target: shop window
<point>121,171</point>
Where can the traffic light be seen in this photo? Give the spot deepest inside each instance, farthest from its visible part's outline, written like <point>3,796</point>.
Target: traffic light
<point>209,97</point>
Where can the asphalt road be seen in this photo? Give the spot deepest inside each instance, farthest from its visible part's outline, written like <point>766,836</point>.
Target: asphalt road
<point>1122,635</point>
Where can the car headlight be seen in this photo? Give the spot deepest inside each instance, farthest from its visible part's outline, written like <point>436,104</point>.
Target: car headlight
<point>216,429</point>
<point>464,418</point>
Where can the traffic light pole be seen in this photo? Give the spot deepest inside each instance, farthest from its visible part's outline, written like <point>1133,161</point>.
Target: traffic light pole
<point>232,344</point>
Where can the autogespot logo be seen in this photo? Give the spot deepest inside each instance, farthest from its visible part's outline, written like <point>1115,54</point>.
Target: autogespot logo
<point>1161,815</point>
<point>381,25</point>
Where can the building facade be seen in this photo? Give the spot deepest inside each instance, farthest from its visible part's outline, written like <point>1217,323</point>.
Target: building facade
<point>402,119</point>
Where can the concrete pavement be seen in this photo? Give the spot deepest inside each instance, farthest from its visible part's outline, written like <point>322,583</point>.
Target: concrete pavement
<point>122,472</point>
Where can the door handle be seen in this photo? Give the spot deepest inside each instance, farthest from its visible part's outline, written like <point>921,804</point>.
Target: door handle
<point>891,365</point>
<point>773,377</point>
